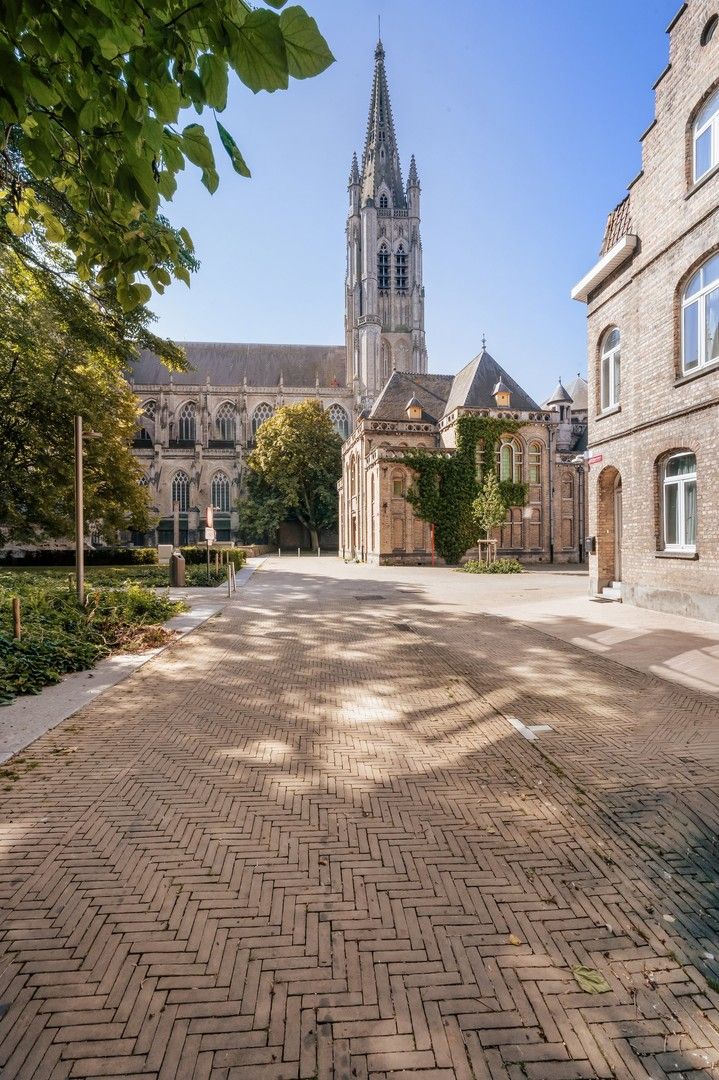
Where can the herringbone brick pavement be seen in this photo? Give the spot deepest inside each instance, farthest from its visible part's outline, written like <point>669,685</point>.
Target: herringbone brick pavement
<point>306,842</point>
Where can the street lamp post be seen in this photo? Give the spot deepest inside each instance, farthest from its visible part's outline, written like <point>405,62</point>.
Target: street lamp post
<point>579,463</point>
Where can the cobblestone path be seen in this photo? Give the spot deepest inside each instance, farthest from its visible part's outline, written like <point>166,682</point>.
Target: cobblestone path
<point>307,842</point>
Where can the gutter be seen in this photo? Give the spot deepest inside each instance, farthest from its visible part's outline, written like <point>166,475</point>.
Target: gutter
<point>616,255</point>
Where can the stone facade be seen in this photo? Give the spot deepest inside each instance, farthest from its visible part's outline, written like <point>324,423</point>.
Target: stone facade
<point>378,524</point>
<point>195,429</point>
<point>653,313</point>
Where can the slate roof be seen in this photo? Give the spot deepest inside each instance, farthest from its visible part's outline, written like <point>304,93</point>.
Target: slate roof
<point>473,385</point>
<point>431,392</point>
<point>579,392</point>
<point>560,395</point>
<point>227,364</point>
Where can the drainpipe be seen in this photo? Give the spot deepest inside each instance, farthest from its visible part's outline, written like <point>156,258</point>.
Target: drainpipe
<point>550,477</point>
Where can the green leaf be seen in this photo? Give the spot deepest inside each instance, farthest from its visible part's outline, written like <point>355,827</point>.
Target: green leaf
<point>258,53</point>
<point>591,980</point>
<point>307,51</point>
<point>197,147</point>
<point>238,162</point>
<point>213,73</point>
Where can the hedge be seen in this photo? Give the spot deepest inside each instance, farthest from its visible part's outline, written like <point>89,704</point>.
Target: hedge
<point>110,556</point>
<point>198,554</point>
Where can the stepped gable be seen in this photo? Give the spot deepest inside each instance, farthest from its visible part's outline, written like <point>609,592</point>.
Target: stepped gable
<point>430,390</point>
<point>229,364</point>
<point>473,386</point>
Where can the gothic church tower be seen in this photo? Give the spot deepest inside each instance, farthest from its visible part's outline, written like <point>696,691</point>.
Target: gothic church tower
<point>384,301</point>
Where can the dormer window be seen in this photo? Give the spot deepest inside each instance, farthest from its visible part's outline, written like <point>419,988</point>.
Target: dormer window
<point>414,409</point>
<point>706,137</point>
<point>502,395</point>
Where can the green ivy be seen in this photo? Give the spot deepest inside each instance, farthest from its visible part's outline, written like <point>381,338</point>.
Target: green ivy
<point>445,487</point>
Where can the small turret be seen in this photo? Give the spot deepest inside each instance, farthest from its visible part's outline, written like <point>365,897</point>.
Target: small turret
<point>502,395</point>
<point>414,409</point>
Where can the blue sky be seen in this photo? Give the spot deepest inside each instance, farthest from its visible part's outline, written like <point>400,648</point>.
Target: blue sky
<point>524,117</point>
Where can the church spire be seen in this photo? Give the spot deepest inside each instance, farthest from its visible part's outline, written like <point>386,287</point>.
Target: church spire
<point>380,161</point>
<point>354,171</point>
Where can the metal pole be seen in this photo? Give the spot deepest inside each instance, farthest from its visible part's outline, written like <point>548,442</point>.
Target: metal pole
<point>79,523</point>
<point>208,561</point>
<point>16,620</point>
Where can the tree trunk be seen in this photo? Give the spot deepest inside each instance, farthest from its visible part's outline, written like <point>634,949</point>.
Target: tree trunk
<point>314,539</point>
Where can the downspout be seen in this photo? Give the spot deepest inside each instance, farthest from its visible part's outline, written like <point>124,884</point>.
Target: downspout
<point>550,473</point>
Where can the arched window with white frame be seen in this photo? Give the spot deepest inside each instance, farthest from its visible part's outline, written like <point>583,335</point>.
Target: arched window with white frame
<point>221,492</point>
<point>535,463</point>
<point>610,372</point>
<point>181,491</point>
<point>187,428</point>
<point>706,137</point>
<point>679,502</point>
<point>700,317</point>
<point>340,420</point>
<point>509,460</point>
<point>226,422</point>
<point>262,412</point>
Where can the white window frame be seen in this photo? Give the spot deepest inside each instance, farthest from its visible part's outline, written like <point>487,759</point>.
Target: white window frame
<point>610,355</point>
<point>711,125</point>
<point>700,299</point>
<point>680,482</point>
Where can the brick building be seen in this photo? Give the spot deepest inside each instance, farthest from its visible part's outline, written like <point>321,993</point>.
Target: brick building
<point>653,314</point>
<point>378,524</point>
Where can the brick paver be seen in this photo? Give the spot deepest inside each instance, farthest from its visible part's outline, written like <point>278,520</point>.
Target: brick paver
<point>306,842</point>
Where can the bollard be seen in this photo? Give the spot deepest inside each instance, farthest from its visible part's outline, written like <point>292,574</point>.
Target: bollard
<point>298,553</point>
<point>279,553</point>
<point>234,578</point>
<point>318,551</point>
<point>229,581</point>
<point>16,623</point>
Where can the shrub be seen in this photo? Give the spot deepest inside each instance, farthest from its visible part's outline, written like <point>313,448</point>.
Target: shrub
<point>197,553</point>
<point>110,556</point>
<point>499,566</point>
<point>60,636</point>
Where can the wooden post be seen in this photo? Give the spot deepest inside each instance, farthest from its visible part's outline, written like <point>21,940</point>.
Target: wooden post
<point>16,623</point>
<point>229,583</point>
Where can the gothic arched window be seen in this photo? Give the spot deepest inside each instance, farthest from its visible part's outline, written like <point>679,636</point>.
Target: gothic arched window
<point>535,463</point>
<point>383,269</point>
<point>188,425</point>
<point>147,421</point>
<point>225,421</point>
<point>340,420</point>
<point>181,491</point>
<point>400,269</point>
<point>383,202</point>
<point>221,492</point>
<point>262,412</point>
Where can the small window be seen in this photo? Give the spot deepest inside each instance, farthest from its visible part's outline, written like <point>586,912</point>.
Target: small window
<point>225,422</point>
<point>383,202</point>
<point>383,269</point>
<point>397,486</point>
<point>706,137</point>
<point>679,482</point>
<point>610,374</point>
<point>181,491</point>
<point>221,492</point>
<point>188,425</point>
<point>700,317</point>
<point>400,269</point>
<point>709,28</point>
<point>262,412</point>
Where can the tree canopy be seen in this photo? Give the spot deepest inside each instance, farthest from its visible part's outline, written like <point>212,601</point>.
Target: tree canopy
<point>297,463</point>
<point>489,509</point>
<point>60,354</point>
<point>91,96</point>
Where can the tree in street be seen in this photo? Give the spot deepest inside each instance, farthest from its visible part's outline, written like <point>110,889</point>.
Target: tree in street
<point>297,459</point>
<point>489,508</point>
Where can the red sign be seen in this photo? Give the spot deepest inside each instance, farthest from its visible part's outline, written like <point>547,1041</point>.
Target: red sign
<point>595,460</point>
